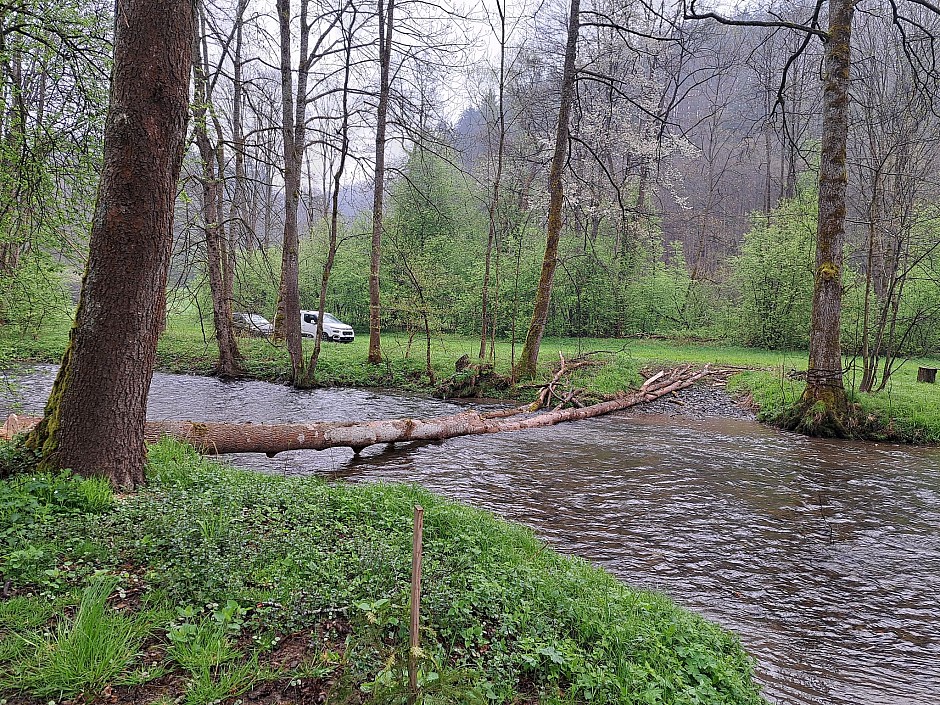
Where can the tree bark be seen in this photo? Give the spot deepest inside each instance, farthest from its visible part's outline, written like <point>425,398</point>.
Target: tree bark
<point>386,25</point>
<point>528,359</point>
<point>222,438</point>
<point>824,384</point>
<point>287,318</point>
<point>220,279</point>
<point>94,419</point>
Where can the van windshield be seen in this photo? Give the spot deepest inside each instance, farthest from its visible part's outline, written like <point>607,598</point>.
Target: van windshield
<point>330,318</point>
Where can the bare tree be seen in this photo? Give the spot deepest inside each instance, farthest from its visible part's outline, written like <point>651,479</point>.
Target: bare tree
<point>294,142</point>
<point>528,359</point>
<point>386,24</point>
<point>338,173</point>
<point>220,261</point>
<point>494,208</point>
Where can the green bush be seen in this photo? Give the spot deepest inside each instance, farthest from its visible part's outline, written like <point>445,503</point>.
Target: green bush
<point>31,504</point>
<point>34,294</point>
<point>771,280</point>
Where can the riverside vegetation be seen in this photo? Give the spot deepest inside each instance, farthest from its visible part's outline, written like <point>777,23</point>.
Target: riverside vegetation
<point>215,585</point>
<point>769,380</point>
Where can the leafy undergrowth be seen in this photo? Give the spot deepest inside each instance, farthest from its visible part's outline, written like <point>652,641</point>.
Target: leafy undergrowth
<point>216,585</point>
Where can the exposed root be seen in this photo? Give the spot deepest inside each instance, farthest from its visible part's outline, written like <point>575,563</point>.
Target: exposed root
<point>815,419</point>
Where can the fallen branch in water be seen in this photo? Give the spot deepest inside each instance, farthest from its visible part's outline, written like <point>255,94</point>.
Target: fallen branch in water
<point>222,438</point>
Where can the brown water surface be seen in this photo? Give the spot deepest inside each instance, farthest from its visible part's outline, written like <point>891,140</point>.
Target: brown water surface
<point>823,556</point>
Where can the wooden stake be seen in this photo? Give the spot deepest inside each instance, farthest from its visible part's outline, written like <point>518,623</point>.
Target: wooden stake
<point>416,551</point>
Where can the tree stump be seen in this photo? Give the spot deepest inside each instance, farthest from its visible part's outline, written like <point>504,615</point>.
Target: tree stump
<point>927,374</point>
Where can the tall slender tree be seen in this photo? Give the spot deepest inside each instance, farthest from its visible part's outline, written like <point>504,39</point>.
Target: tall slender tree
<point>528,359</point>
<point>493,207</point>
<point>824,395</point>
<point>338,172</point>
<point>287,320</point>
<point>94,419</point>
<point>386,24</point>
<point>218,260</point>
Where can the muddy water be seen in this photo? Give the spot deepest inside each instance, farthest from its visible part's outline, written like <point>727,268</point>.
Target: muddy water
<point>824,557</point>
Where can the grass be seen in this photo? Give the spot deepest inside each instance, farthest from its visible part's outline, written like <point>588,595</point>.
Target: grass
<point>906,411</point>
<point>84,654</point>
<point>187,347</point>
<point>300,591</point>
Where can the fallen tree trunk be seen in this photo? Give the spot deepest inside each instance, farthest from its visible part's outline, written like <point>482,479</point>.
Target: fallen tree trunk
<point>222,438</point>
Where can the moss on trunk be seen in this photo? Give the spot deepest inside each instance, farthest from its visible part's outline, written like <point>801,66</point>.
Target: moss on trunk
<point>822,411</point>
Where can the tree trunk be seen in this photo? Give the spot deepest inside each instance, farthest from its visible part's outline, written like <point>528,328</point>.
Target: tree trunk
<point>221,438</point>
<point>310,374</point>
<point>870,361</point>
<point>220,281</point>
<point>494,206</point>
<point>239,209</point>
<point>385,62</point>
<point>528,359</point>
<point>287,318</point>
<point>824,404</point>
<point>94,419</point>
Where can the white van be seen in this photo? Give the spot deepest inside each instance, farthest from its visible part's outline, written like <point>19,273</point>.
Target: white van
<point>333,328</point>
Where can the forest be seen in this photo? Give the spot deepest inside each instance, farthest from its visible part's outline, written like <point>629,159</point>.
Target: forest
<point>690,173</point>
<point>508,172</point>
<point>581,208</point>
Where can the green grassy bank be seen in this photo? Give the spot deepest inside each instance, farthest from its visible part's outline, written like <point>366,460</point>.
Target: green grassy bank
<point>905,411</point>
<point>215,585</point>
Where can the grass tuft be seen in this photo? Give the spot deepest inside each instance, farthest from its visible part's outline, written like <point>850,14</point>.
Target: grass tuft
<point>84,654</point>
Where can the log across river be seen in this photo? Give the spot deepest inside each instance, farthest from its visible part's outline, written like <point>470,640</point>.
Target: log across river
<point>220,438</point>
<point>823,556</point>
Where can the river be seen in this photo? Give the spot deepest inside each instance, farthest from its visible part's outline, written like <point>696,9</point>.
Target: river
<point>823,556</point>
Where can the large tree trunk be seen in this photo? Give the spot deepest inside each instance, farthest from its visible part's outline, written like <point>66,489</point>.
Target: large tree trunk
<point>94,419</point>
<point>221,438</point>
<point>386,24</point>
<point>530,351</point>
<point>824,405</point>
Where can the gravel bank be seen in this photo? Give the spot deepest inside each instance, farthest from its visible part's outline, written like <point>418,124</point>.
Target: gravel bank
<point>702,400</point>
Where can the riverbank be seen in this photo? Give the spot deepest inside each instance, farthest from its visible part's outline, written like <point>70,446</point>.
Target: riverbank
<point>906,411</point>
<point>214,585</point>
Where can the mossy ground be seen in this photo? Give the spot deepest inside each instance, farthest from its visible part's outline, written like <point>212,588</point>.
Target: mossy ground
<point>906,411</point>
<point>215,585</point>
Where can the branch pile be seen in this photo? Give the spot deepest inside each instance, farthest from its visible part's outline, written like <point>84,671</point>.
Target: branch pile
<point>221,438</point>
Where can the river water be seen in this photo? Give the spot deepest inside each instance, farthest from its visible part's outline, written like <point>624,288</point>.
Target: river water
<point>823,556</point>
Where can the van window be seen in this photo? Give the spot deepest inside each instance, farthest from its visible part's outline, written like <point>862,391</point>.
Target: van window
<point>309,318</point>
